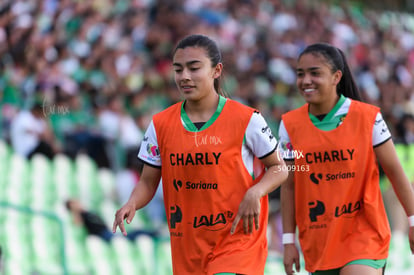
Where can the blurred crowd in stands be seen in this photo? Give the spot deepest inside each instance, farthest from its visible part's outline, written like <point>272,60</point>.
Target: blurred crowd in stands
<point>96,71</point>
<point>81,76</point>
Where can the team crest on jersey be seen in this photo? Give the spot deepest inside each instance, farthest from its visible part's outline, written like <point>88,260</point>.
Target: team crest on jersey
<point>286,146</point>
<point>153,150</point>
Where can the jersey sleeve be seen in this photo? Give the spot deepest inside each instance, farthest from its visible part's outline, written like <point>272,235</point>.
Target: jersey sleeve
<point>285,147</point>
<point>259,136</point>
<point>149,152</point>
<point>380,132</point>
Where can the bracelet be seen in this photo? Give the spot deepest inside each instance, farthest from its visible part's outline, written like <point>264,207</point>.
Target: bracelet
<point>411,220</point>
<point>288,238</point>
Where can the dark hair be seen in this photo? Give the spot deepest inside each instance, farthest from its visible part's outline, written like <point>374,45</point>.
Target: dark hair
<point>68,204</point>
<point>337,61</point>
<point>213,52</point>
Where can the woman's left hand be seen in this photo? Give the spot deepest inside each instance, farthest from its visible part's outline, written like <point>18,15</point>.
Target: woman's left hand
<point>249,210</point>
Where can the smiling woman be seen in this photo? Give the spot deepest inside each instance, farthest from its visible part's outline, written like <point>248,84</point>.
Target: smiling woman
<point>338,198</point>
<point>216,146</point>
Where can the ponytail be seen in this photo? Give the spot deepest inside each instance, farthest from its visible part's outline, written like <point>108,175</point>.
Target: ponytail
<point>347,85</point>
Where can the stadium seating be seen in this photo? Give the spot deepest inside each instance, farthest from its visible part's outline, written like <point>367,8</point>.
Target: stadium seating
<point>38,235</point>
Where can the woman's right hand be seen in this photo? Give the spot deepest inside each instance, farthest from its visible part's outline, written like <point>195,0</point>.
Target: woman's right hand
<point>125,212</point>
<point>290,258</point>
<point>142,193</point>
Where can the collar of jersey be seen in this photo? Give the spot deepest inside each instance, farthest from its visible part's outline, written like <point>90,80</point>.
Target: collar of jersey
<point>331,113</point>
<point>189,125</point>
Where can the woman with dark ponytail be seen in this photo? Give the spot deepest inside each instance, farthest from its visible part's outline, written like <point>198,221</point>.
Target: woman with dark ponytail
<point>332,194</point>
<point>217,159</point>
